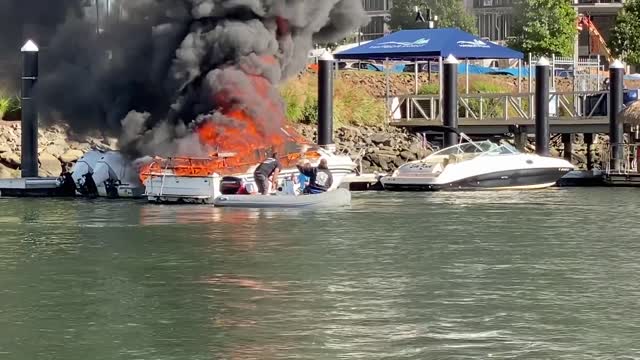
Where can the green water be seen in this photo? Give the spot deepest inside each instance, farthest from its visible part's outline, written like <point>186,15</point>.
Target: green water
<point>551,274</point>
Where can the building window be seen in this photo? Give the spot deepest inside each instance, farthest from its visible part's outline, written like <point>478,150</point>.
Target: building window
<point>374,29</point>
<point>375,5</point>
<point>495,26</point>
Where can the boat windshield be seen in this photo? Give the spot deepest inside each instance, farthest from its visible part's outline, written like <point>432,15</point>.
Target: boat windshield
<point>480,148</point>
<point>467,148</point>
<point>502,149</point>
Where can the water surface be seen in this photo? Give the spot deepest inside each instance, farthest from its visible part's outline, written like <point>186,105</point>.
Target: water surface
<point>542,274</point>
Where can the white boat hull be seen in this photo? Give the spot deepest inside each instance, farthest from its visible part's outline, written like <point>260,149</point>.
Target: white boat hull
<point>330,199</point>
<point>169,188</point>
<point>512,172</point>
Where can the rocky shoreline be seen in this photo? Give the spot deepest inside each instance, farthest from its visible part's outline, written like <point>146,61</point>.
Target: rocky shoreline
<point>377,149</point>
<point>55,149</point>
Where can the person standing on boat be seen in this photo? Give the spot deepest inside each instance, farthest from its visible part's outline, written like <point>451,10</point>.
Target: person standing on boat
<point>268,168</point>
<point>320,178</point>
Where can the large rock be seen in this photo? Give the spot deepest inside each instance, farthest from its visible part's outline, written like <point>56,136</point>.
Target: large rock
<point>7,173</point>
<point>71,156</point>
<point>408,155</point>
<point>49,165</point>
<point>10,159</point>
<point>380,138</point>
<point>55,150</point>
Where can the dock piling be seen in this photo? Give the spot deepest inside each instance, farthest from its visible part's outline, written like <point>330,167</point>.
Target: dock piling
<point>325,101</point>
<point>567,142</point>
<point>29,140</point>
<point>450,100</point>
<point>542,107</point>
<point>588,140</point>
<point>616,126</point>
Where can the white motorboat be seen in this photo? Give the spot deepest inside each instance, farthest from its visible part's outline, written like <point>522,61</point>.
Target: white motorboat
<point>477,165</point>
<point>169,183</point>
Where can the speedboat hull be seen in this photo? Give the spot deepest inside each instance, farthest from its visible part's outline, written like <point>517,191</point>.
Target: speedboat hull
<point>478,166</point>
<point>329,199</point>
<point>521,179</point>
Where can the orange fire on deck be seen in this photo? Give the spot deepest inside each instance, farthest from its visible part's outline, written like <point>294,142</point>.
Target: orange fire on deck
<point>249,132</point>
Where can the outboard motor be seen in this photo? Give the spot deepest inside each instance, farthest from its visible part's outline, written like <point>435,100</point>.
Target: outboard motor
<point>231,185</point>
<point>109,172</point>
<point>82,173</point>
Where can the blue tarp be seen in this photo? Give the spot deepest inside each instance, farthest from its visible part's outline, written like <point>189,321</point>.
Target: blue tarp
<point>429,43</point>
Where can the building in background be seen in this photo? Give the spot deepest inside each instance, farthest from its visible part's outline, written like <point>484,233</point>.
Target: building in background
<point>378,11</point>
<point>603,14</point>
<point>495,20</point>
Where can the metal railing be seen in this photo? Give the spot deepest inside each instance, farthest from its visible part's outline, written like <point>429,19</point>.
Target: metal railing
<point>502,107</point>
<point>629,161</point>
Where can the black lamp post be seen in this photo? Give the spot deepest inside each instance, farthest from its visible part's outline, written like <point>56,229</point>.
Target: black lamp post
<point>430,20</point>
<point>430,24</point>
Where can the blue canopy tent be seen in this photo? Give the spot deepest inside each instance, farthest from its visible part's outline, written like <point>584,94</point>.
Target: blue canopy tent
<point>428,44</point>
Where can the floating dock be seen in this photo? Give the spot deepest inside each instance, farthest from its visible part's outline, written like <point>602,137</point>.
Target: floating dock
<point>362,182</point>
<point>622,179</point>
<point>33,187</point>
<point>582,178</point>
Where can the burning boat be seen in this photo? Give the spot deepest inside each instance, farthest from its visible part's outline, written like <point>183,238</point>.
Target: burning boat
<point>202,180</point>
<point>194,85</point>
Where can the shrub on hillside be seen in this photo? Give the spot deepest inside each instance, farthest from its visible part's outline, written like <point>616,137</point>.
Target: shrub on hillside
<point>350,106</point>
<point>9,107</point>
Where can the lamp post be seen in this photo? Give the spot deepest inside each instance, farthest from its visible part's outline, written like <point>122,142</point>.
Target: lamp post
<point>430,20</point>
<point>431,23</point>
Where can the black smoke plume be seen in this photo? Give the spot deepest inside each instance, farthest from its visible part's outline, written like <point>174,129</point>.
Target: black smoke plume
<point>155,71</point>
<point>23,19</point>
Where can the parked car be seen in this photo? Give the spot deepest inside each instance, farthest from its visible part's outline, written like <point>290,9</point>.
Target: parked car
<point>362,65</point>
<point>435,67</point>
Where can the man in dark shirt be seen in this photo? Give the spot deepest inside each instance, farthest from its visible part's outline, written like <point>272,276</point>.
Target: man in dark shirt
<point>320,178</point>
<point>268,168</point>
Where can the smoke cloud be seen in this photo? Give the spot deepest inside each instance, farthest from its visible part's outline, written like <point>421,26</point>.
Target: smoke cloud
<point>22,19</point>
<point>166,66</point>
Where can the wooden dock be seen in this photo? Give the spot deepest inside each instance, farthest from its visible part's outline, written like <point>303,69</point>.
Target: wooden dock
<point>492,114</point>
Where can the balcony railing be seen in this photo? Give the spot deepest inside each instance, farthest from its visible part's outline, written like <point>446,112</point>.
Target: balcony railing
<point>589,2</point>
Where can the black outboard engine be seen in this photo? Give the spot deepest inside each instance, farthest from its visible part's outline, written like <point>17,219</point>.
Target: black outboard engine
<point>230,185</point>
<point>89,188</point>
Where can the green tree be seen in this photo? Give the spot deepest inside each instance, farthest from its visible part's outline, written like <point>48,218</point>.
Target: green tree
<point>625,35</point>
<point>450,13</point>
<point>544,27</point>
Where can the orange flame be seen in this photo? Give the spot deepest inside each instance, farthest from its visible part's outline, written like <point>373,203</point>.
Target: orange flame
<point>235,146</point>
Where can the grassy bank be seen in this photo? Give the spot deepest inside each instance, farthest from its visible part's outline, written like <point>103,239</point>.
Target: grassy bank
<point>9,107</point>
<point>359,95</point>
<point>352,106</point>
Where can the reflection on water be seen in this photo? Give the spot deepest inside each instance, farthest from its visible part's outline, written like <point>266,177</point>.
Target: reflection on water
<point>540,274</point>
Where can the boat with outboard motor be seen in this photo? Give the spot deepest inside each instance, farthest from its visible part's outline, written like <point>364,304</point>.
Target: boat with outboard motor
<point>471,165</point>
<point>164,185</point>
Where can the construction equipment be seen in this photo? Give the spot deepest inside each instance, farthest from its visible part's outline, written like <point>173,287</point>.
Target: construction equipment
<point>596,41</point>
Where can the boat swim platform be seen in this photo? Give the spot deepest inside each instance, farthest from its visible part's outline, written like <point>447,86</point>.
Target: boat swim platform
<point>31,187</point>
<point>362,182</point>
<point>592,125</point>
